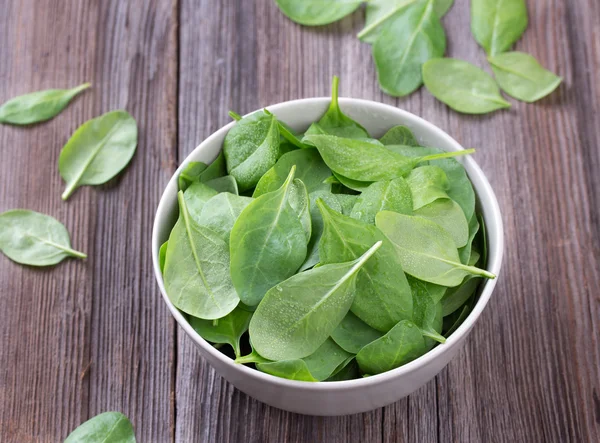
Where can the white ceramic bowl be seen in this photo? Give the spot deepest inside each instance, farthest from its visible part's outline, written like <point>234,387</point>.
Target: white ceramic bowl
<point>343,397</point>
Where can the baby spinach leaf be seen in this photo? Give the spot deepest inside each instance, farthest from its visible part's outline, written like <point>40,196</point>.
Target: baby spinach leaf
<point>414,36</point>
<point>294,369</point>
<point>226,183</point>
<point>448,215</point>
<point>221,211</point>
<point>197,277</point>
<point>38,106</point>
<point>196,196</point>
<point>427,184</point>
<point>34,239</point>
<point>98,150</point>
<point>162,256</point>
<point>462,86</point>
<point>353,334</point>
<point>346,201</point>
<point>399,135</point>
<point>190,174</point>
<point>216,169</point>
<point>426,250</point>
<point>268,244</point>
<point>442,7</point>
<point>383,296</point>
<point>310,168</point>
<point>355,185</point>
<point>454,321</point>
<point>427,313</point>
<point>108,427</point>
<point>296,316</point>
<point>522,77</point>
<point>312,257</point>
<point>289,136</point>
<point>363,161</point>
<point>455,298</point>
<point>335,122</point>
<point>458,188</point>
<point>228,330</point>
<point>391,195</point>
<point>498,24</point>
<point>348,370</point>
<point>317,12</point>
<point>402,344</point>
<point>326,359</point>
<point>251,148</point>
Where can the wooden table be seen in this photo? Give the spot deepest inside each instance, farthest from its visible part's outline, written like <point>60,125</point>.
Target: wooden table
<point>91,336</point>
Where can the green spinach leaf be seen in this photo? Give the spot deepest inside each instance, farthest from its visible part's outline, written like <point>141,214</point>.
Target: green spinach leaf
<point>251,148</point>
<point>353,334</point>
<point>522,77</point>
<point>455,298</point>
<point>348,370</point>
<point>335,122</point>
<point>426,250</point>
<point>228,329</point>
<point>317,12</point>
<point>197,277</point>
<point>363,161</point>
<point>196,196</point>
<point>38,106</point>
<point>108,427</point>
<point>226,183</point>
<point>98,150</point>
<point>448,214</point>
<point>399,135</point>
<point>414,36</point>
<point>216,169</point>
<point>346,201</point>
<point>190,174</point>
<point>221,211</point>
<point>294,369</point>
<point>462,86</point>
<point>34,239</point>
<point>498,24</point>
<point>383,296</point>
<point>268,244</point>
<point>162,256</point>
<point>427,184</point>
<point>296,316</point>
<point>391,195</point>
<point>466,251</point>
<point>427,313</point>
<point>402,344</point>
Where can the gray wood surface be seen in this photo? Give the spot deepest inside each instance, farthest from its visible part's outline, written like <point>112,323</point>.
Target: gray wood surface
<point>90,336</point>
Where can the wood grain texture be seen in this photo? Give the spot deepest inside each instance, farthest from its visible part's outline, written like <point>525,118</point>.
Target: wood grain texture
<point>89,336</point>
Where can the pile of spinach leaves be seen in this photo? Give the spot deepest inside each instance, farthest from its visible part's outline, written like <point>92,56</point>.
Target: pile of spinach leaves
<point>327,255</point>
<point>409,44</point>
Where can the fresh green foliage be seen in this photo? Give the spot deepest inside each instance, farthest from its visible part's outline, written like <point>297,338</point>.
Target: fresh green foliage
<point>498,24</point>
<point>462,86</point>
<point>402,344</point>
<point>426,250</point>
<point>335,122</point>
<point>251,148</point>
<point>197,277</point>
<point>268,244</point>
<point>391,195</point>
<point>98,150</point>
<point>34,239</point>
<point>359,160</point>
<point>383,296</point>
<point>310,168</point>
<point>38,106</point>
<point>413,36</point>
<point>353,334</point>
<point>228,329</point>
<point>296,316</point>
<point>190,174</point>
<point>317,12</point>
<point>312,265</point>
<point>522,77</point>
<point>399,135</point>
<point>108,427</point>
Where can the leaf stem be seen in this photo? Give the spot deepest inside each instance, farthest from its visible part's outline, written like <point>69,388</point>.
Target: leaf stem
<point>235,116</point>
<point>335,86</point>
<point>69,190</point>
<point>448,155</point>
<point>253,357</point>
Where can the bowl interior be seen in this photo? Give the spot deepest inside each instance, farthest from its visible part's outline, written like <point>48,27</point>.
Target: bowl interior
<point>377,118</point>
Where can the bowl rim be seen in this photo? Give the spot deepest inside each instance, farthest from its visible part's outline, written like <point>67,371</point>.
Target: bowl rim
<point>494,261</point>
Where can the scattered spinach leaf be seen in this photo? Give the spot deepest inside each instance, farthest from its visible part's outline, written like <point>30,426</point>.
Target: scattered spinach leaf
<point>498,24</point>
<point>522,77</point>
<point>98,150</point>
<point>462,86</point>
<point>38,106</point>
<point>34,239</point>
<point>317,12</point>
<point>108,427</point>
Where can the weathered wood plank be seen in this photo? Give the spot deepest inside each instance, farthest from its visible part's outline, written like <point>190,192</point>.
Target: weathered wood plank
<point>88,336</point>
